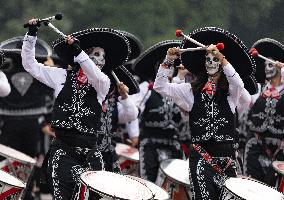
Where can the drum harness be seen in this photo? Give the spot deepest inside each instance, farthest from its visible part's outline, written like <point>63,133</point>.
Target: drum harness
<point>209,159</point>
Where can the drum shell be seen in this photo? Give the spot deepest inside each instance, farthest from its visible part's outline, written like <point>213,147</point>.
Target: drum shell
<point>10,192</point>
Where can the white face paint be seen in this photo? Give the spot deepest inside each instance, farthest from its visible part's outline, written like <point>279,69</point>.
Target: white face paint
<point>98,56</point>
<point>212,64</point>
<point>270,70</point>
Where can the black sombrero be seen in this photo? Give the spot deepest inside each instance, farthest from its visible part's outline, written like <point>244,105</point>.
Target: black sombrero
<point>235,52</point>
<point>14,45</point>
<point>12,48</point>
<point>115,44</point>
<point>144,65</point>
<point>136,45</point>
<point>269,48</point>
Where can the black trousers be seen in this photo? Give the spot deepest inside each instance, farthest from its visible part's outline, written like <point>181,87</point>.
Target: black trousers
<point>152,151</point>
<point>65,165</point>
<point>205,182</point>
<point>21,133</point>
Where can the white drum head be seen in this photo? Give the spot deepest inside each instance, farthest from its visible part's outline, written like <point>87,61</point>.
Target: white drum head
<point>127,152</point>
<point>10,180</point>
<point>250,189</point>
<point>278,166</point>
<point>158,192</point>
<point>176,170</point>
<point>13,154</point>
<point>114,185</point>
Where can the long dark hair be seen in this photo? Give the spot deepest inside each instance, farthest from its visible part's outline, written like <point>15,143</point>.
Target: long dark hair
<point>222,89</point>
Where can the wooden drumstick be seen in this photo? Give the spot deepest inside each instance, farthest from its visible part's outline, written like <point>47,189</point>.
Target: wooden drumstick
<point>179,33</point>
<point>255,53</point>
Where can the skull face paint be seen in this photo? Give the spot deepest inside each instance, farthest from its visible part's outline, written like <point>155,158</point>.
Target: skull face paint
<point>270,70</point>
<point>212,64</point>
<point>97,55</point>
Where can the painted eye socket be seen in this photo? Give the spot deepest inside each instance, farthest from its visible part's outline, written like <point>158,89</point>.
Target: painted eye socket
<point>215,59</point>
<point>270,65</point>
<point>208,59</point>
<point>96,54</point>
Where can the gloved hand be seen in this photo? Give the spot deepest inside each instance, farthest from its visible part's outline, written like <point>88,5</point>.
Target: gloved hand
<point>74,45</point>
<point>33,27</point>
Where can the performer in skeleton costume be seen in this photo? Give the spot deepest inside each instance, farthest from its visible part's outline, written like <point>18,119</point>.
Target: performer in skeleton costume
<point>5,87</point>
<point>80,91</point>
<point>115,112</point>
<point>266,117</point>
<point>211,102</point>
<point>160,117</point>
<point>23,110</point>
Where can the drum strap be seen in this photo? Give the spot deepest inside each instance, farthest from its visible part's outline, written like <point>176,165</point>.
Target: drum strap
<point>209,159</point>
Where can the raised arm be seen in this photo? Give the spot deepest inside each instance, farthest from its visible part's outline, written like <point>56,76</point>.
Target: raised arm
<point>50,76</point>
<point>127,111</point>
<point>180,93</point>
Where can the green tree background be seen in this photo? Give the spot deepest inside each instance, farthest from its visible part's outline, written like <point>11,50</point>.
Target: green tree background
<point>150,20</point>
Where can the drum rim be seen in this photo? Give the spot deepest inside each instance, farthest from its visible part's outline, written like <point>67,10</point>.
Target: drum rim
<point>150,188</point>
<point>17,159</point>
<point>128,158</point>
<point>173,179</point>
<point>244,177</point>
<point>274,165</point>
<point>102,193</point>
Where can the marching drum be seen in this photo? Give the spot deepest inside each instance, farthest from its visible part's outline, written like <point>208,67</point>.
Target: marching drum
<point>18,164</point>
<point>279,168</point>
<point>244,188</point>
<point>114,186</point>
<point>177,178</point>
<point>129,159</point>
<point>158,192</point>
<point>10,187</point>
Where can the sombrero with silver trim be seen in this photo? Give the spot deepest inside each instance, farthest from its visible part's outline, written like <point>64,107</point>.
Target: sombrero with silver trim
<point>235,52</point>
<point>136,45</point>
<point>12,48</point>
<point>144,65</point>
<point>115,44</point>
<point>269,48</point>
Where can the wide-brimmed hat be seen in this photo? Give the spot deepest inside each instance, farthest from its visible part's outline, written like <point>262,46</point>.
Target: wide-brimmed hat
<point>269,48</point>
<point>144,65</point>
<point>126,77</point>
<point>136,45</point>
<point>12,49</point>
<point>235,52</point>
<point>14,45</point>
<point>115,44</point>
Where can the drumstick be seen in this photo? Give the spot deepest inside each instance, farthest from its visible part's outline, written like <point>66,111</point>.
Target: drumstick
<point>115,77</point>
<point>55,29</point>
<point>179,33</point>
<point>255,53</point>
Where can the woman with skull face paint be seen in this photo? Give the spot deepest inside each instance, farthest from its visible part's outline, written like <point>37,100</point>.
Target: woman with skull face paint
<point>80,91</point>
<point>266,117</point>
<point>211,102</point>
